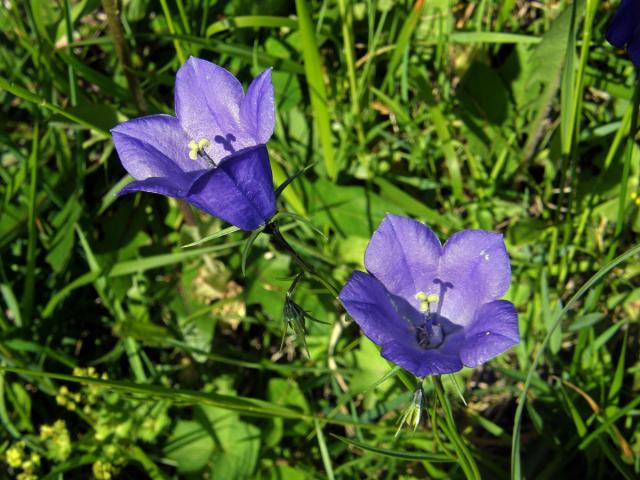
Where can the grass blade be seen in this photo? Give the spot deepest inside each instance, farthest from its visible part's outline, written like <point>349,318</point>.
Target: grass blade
<point>317,90</point>
<point>222,233</point>
<point>30,278</point>
<point>324,451</point>
<point>516,467</point>
<point>397,454</point>
<point>402,42</point>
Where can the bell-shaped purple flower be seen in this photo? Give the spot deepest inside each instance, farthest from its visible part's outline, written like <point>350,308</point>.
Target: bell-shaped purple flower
<point>433,308</point>
<point>625,29</point>
<point>212,154</point>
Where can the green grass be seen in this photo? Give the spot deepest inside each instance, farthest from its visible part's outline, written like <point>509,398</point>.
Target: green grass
<point>508,115</point>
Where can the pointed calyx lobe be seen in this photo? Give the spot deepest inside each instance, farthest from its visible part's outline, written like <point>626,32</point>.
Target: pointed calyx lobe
<point>433,308</point>
<point>212,154</point>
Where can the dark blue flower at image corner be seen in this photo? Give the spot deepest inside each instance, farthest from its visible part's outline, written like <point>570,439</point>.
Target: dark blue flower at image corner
<point>432,308</point>
<point>624,29</point>
<point>212,154</point>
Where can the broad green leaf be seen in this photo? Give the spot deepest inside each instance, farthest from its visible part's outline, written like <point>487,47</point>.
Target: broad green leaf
<point>190,445</point>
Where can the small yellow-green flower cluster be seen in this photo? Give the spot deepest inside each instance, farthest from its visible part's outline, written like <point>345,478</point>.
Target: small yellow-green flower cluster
<point>17,458</point>
<point>87,396</point>
<point>68,399</point>
<point>57,440</point>
<point>15,455</point>
<point>103,470</point>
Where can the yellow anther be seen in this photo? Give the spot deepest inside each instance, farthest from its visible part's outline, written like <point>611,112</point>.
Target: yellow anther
<point>433,298</point>
<point>196,147</point>
<point>637,201</point>
<point>193,152</point>
<point>426,300</point>
<point>633,195</point>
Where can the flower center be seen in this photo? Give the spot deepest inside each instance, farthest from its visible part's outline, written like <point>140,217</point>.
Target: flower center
<point>430,334</point>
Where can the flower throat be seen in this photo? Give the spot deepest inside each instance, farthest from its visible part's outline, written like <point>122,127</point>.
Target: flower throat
<point>429,334</point>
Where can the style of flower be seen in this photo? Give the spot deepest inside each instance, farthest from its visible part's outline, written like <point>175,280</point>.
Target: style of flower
<point>433,308</point>
<point>624,29</point>
<point>212,154</point>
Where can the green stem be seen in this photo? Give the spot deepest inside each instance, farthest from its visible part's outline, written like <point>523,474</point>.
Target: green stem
<point>622,197</point>
<point>273,230</point>
<point>467,462</point>
<point>172,30</point>
<point>351,69</point>
<point>631,143</point>
<point>4,416</point>
<point>122,52</point>
<point>131,349</point>
<point>576,116</point>
<point>73,88</point>
<point>30,277</point>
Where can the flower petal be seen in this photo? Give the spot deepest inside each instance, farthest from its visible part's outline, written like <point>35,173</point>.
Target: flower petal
<point>257,111</point>
<point>624,23</point>
<point>634,47</point>
<point>419,361</point>
<point>493,330</point>
<point>171,187</point>
<point>474,269</point>
<point>404,254</point>
<point>154,146</point>
<point>208,107</point>
<point>366,300</point>
<point>239,191</point>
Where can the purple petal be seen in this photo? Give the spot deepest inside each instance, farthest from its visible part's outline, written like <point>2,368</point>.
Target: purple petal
<point>154,146</point>
<point>171,187</point>
<point>366,300</point>
<point>240,191</point>
<point>474,269</point>
<point>493,330</point>
<point>257,111</point>
<point>404,254</point>
<point>634,47</point>
<point>624,22</point>
<point>208,107</point>
<point>419,361</point>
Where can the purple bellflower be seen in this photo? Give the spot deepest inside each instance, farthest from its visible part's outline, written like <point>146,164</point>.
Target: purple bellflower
<point>433,308</point>
<point>212,154</point>
<point>625,29</point>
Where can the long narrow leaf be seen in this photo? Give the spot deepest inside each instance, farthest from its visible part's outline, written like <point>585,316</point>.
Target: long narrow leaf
<point>317,90</point>
<point>516,468</point>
